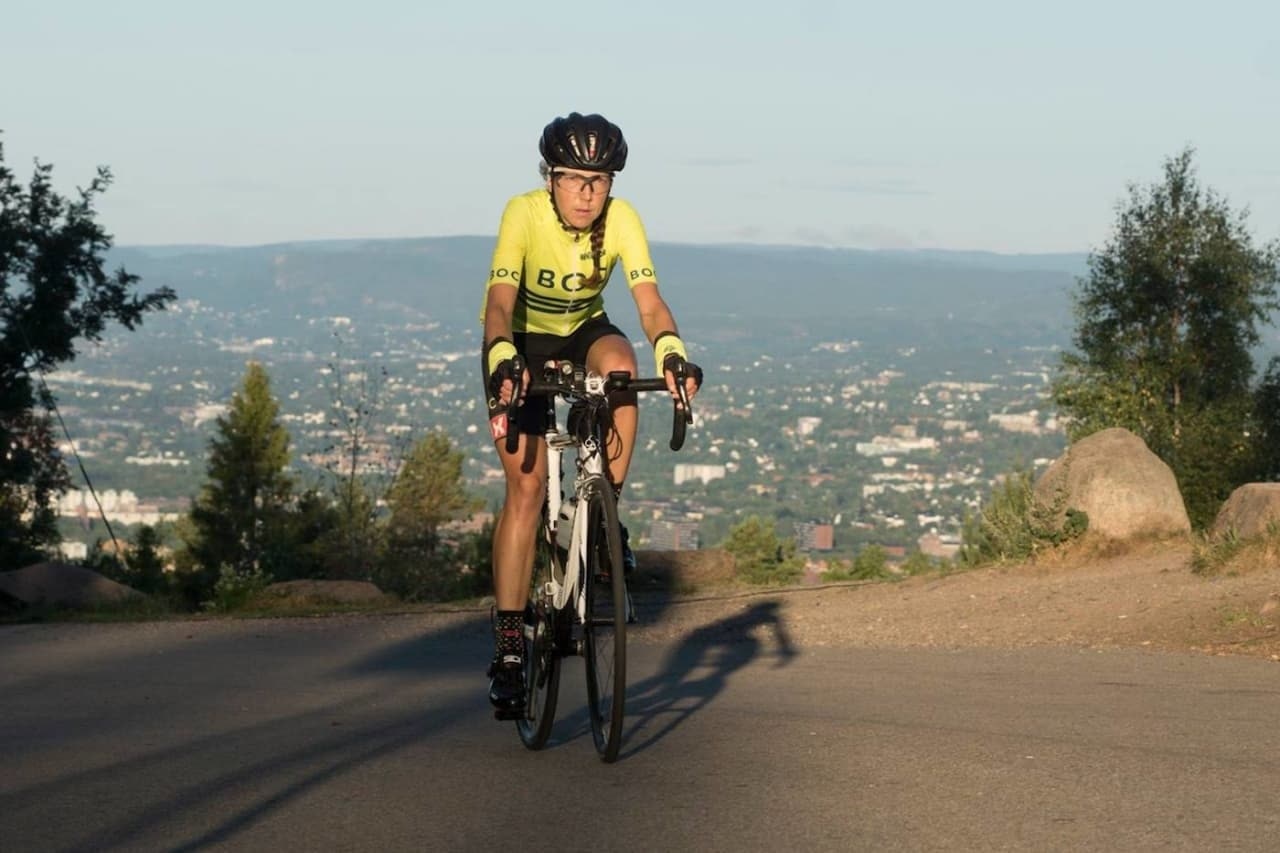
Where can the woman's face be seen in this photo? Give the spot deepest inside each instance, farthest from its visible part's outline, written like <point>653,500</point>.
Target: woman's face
<point>579,195</point>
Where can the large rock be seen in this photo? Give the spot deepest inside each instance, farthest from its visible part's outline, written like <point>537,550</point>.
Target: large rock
<point>63,585</point>
<point>1124,488</point>
<point>1249,512</point>
<point>682,570</point>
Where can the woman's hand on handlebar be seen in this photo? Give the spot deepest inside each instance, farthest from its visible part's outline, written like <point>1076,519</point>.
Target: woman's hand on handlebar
<point>677,371</point>
<point>502,382</point>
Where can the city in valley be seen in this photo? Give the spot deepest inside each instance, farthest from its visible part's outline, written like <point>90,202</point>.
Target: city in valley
<point>884,419</point>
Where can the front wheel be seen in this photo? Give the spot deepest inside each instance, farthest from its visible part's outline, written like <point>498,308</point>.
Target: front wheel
<point>605,629</point>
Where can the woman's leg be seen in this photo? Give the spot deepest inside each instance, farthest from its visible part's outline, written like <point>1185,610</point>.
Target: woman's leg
<point>514,537</point>
<point>516,531</point>
<point>607,354</point>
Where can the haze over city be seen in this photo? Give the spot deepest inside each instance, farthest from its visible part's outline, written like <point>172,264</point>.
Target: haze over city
<point>994,126</point>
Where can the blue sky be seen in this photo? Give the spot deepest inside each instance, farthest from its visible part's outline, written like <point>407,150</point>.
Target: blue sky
<point>1001,126</point>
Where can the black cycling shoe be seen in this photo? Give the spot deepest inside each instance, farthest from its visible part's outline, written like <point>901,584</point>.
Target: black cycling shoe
<point>628,559</point>
<point>506,687</point>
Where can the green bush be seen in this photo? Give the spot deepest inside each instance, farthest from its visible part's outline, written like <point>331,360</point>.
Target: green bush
<point>233,589</point>
<point>448,571</point>
<point>872,563</point>
<point>919,563</point>
<point>1013,525</point>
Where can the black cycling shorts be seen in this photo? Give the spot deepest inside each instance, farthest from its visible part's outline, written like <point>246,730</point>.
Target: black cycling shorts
<point>535,414</point>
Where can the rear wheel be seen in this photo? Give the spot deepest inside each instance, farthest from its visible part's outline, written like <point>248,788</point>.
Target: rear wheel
<point>541,662</point>
<point>542,677</point>
<point>605,630</point>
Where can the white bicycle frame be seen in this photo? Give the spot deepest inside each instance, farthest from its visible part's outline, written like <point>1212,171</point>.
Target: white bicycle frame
<point>589,464</point>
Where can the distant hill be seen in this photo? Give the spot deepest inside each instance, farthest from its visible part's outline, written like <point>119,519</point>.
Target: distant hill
<point>804,289</point>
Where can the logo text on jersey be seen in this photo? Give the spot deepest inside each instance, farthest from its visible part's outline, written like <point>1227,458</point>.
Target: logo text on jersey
<point>547,278</point>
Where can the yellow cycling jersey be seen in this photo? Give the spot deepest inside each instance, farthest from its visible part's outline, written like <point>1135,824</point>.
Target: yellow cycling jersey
<point>550,264</point>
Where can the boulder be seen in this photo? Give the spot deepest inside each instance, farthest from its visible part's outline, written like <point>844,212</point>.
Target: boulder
<point>1249,511</point>
<point>63,585</point>
<point>677,570</point>
<point>1124,488</point>
<point>321,592</point>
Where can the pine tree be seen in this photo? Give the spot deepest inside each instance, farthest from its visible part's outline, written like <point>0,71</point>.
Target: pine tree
<point>240,520</point>
<point>146,568</point>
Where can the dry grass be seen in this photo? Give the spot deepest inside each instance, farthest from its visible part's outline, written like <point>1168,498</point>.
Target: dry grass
<point>1231,555</point>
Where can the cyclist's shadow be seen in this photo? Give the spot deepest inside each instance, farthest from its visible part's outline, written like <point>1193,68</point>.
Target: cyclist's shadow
<point>697,670</point>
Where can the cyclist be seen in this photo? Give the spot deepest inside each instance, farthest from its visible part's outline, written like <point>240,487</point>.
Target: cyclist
<point>556,249</point>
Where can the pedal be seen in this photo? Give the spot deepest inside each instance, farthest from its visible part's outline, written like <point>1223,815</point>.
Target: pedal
<point>508,714</point>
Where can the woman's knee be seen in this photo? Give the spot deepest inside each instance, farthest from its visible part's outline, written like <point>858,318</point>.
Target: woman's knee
<point>610,354</point>
<point>525,493</point>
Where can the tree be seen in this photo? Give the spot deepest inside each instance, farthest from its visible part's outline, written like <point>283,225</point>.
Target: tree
<point>360,472</point>
<point>240,519</point>
<point>1166,319</point>
<point>54,294</point>
<point>31,476</point>
<point>316,540</point>
<point>428,492</point>
<point>146,567</point>
<point>759,555</point>
<point>1266,424</point>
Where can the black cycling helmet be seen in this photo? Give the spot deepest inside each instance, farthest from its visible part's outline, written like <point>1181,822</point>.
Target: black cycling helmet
<point>592,143</point>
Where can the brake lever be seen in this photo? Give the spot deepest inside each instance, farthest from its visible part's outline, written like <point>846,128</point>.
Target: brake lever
<point>513,409</point>
<point>681,417</point>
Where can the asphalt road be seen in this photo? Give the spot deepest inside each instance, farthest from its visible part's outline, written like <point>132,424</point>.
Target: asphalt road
<point>373,733</point>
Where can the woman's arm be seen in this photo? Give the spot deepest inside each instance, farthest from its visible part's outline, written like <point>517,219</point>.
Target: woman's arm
<point>655,316</point>
<point>499,306</point>
<point>655,319</point>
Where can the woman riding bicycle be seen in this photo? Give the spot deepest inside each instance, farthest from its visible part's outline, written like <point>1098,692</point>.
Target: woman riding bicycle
<point>556,249</point>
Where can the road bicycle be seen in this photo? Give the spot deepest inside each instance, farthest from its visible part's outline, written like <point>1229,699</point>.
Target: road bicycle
<point>579,603</point>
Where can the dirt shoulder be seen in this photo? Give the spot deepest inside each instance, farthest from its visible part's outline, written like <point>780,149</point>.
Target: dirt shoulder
<point>1146,598</point>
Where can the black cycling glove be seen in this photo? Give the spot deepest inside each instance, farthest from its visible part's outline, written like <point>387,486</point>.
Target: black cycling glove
<point>500,362</point>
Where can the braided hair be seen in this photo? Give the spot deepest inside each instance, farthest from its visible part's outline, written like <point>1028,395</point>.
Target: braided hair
<point>597,248</point>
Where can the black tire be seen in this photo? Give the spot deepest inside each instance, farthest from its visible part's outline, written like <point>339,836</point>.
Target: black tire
<point>605,632</point>
<point>542,678</point>
<point>541,659</point>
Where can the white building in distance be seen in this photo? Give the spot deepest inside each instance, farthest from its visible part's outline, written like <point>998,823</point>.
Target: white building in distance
<point>808,425</point>
<point>705,473</point>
